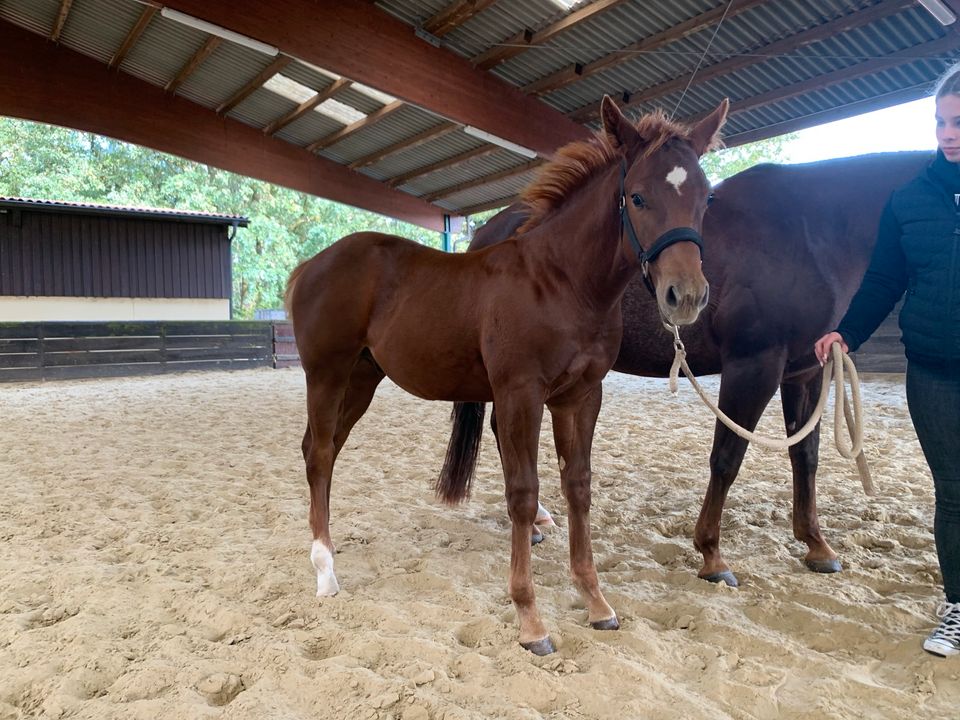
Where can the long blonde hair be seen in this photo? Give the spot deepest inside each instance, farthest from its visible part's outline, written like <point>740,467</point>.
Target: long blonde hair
<point>949,82</point>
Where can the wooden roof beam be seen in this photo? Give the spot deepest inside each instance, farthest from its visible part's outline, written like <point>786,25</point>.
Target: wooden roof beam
<point>348,130</point>
<point>570,74</point>
<point>131,39</point>
<point>411,142</point>
<point>92,98</point>
<point>254,84</point>
<point>455,15</point>
<point>449,162</point>
<point>933,48</point>
<point>61,19</point>
<point>327,33</point>
<point>724,67</point>
<point>307,105</point>
<point>203,52</point>
<point>526,38</point>
<point>481,181</point>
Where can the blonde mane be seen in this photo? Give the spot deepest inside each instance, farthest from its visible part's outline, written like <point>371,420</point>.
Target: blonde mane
<point>577,162</point>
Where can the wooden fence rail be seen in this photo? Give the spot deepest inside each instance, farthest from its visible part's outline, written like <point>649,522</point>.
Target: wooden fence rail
<point>62,350</point>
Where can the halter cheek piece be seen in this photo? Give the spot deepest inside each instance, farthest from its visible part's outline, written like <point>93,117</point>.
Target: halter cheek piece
<point>670,237</point>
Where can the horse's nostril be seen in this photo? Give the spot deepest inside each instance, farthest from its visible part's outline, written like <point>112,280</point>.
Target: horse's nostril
<point>672,300</point>
<point>705,298</point>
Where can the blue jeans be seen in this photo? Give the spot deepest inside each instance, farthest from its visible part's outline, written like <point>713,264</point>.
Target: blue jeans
<point>933,397</point>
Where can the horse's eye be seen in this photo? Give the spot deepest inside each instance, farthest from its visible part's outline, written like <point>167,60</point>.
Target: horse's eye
<point>638,200</point>
<point>709,199</point>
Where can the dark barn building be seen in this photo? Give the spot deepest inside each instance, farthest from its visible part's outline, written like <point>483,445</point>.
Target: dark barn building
<point>73,261</point>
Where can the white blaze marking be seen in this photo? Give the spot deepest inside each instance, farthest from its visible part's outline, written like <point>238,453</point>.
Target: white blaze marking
<point>677,177</point>
<point>322,560</point>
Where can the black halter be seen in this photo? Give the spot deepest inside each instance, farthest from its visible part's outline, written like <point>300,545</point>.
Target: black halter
<point>670,237</point>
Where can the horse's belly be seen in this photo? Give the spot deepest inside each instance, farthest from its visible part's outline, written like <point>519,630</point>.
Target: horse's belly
<point>435,375</point>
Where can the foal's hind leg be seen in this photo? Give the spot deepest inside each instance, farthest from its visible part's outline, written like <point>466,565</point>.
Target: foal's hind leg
<point>573,429</point>
<point>746,386</point>
<point>799,400</point>
<point>333,407</point>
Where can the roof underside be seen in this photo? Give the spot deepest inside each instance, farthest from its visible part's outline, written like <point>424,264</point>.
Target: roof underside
<point>784,64</point>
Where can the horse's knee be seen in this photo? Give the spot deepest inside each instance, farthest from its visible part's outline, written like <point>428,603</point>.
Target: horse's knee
<point>522,503</point>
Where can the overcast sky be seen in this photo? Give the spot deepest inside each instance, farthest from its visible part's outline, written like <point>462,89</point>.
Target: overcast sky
<point>903,127</point>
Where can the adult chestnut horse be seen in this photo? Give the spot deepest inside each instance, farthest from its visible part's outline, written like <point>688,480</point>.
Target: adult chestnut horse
<point>523,324</point>
<point>786,247</point>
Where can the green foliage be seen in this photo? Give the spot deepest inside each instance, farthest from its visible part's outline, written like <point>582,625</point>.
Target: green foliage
<point>729,161</point>
<point>286,226</point>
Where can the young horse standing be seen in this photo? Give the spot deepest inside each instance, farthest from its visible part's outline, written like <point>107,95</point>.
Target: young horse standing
<point>524,324</point>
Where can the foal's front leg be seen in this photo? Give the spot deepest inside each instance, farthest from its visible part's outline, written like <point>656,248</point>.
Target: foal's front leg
<point>573,429</point>
<point>519,414</point>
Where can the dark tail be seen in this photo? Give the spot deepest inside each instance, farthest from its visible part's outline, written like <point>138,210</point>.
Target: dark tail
<point>453,485</point>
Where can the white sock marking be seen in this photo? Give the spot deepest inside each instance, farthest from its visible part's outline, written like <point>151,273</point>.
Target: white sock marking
<point>677,177</point>
<point>544,518</point>
<point>322,560</point>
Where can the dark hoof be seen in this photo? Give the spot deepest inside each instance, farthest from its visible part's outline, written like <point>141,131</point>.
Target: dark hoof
<point>539,647</point>
<point>608,624</point>
<point>536,537</point>
<point>824,566</point>
<point>726,576</point>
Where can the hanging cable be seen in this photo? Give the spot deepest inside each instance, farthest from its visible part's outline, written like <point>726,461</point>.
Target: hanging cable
<point>702,56</point>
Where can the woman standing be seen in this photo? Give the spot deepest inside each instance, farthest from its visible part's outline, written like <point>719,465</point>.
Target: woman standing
<point>918,253</point>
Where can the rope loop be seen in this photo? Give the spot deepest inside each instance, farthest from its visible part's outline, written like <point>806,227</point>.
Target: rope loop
<point>850,412</point>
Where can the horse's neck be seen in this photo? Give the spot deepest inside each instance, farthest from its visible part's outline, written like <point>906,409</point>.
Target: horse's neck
<point>581,241</point>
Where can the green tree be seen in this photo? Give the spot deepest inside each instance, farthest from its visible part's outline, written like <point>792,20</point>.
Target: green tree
<point>721,164</point>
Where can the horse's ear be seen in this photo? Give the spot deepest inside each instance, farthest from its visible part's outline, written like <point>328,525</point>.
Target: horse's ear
<point>619,130</point>
<point>706,134</point>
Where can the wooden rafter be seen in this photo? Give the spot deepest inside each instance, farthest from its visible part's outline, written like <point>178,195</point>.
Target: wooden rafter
<point>345,132</point>
<point>210,44</point>
<point>455,15</point>
<point>131,39</point>
<point>307,105</point>
<point>525,38</point>
<point>724,67</point>
<point>61,19</point>
<point>481,181</point>
<point>572,73</point>
<point>394,60</point>
<point>255,84</point>
<point>92,98</point>
<point>411,142</point>
<point>406,177</point>
<point>933,48</point>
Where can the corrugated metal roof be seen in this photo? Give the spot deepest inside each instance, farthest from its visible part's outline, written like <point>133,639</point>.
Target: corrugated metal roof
<point>98,27</point>
<point>162,50</point>
<point>102,209</point>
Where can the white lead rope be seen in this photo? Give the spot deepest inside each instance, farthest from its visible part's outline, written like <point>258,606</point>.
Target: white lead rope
<point>852,413</point>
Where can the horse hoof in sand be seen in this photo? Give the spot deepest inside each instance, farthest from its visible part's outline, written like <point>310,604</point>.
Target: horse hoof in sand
<point>829,565</point>
<point>726,576</point>
<point>609,624</point>
<point>540,647</point>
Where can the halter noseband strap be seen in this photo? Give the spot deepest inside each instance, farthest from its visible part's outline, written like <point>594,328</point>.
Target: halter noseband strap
<point>670,237</point>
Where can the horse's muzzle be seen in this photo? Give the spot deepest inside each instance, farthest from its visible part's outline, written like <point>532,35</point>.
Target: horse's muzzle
<point>682,302</point>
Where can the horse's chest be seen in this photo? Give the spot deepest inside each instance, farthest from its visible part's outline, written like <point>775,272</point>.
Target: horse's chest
<point>585,369</point>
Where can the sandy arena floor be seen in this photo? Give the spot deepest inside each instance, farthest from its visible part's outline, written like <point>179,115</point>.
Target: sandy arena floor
<point>154,564</point>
